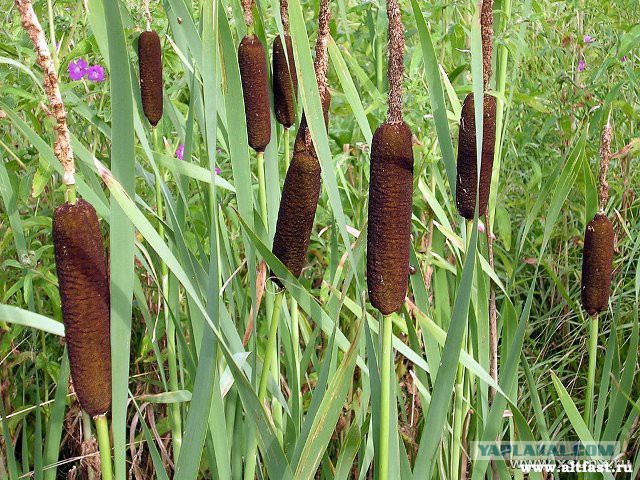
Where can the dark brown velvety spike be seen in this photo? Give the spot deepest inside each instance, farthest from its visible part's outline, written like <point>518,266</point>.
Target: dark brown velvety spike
<point>390,206</point>
<point>84,292</point>
<point>299,145</point>
<point>297,210</point>
<point>252,60</point>
<point>597,263</point>
<point>467,170</point>
<point>285,82</point>
<point>150,58</point>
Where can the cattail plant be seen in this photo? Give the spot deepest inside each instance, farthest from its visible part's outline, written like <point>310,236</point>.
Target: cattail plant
<point>597,263</point>
<point>80,262</point>
<point>389,226</point>
<point>84,293</point>
<point>390,189</point>
<point>285,81</point>
<point>597,257</point>
<point>150,58</point>
<point>252,60</point>
<point>467,173</point>
<point>302,183</point>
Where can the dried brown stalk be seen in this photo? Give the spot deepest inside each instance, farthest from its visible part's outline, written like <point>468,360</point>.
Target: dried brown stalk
<point>62,146</point>
<point>247,5</point>
<point>605,158</point>
<point>486,27</point>
<point>284,15</point>
<point>395,71</point>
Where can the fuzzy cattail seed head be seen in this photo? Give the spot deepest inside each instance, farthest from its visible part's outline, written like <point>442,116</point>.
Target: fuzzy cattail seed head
<point>150,58</point>
<point>84,293</point>
<point>285,82</point>
<point>252,60</point>
<point>297,210</point>
<point>390,206</point>
<point>467,173</point>
<point>597,264</point>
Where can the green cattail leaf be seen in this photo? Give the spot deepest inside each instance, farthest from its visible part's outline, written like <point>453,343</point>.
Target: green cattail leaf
<point>121,229</point>
<point>56,420</point>
<point>436,96</point>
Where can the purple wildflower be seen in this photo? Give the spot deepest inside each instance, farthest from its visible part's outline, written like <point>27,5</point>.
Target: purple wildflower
<point>588,39</point>
<point>581,66</point>
<point>95,73</point>
<point>218,171</point>
<point>180,152</point>
<point>77,69</point>
<point>624,58</point>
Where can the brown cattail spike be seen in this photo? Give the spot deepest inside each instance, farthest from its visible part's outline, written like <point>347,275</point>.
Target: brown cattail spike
<point>150,58</point>
<point>297,211</point>
<point>285,81</point>
<point>252,60</point>
<point>467,176</point>
<point>597,264</point>
<point>84,293</point>
<point>390,205</point>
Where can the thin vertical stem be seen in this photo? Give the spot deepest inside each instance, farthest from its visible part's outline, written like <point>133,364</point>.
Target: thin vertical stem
<point>271,346</point>
<point>262,190</point>
<point>86,436</point>
<point>591,378</point>
<point>287,160</point>
<point>104,445</point>
<point>385,394</point>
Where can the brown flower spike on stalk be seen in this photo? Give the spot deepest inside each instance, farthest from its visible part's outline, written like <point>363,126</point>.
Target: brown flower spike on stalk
<point>285,80</point>
<point>252,60</point>
<point>80,258</point>
<point>597,255</point>
<point>467,174</point>
<point>390,188</point>
<point>303,181</point>
<point>150,58</point>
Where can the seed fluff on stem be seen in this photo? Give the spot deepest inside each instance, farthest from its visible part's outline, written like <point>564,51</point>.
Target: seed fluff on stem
<point>62,146</point>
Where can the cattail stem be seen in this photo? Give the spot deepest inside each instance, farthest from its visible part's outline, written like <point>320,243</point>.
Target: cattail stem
<point>271,345</point>
<point>147,13</point>
<point>104,445</point>
<point>458,421</point>
<point>262,190</point>
<point>247,5</point>
<point>493,312</point>
<point>486,27</point>
<point>396,63</point>
<point>287,148</point>
<point>249,472</point>
<point>605,158</point>
<point>385,396</point>
<point>284,15</point>
<point>86,436</point>
<point>591,377</point>
<point>295,340</point>
<point>62,146</point>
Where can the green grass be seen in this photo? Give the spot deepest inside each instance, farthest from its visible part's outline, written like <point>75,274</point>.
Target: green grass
<point>184,277</point>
